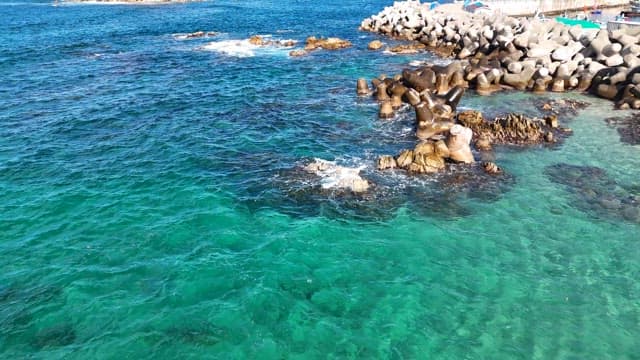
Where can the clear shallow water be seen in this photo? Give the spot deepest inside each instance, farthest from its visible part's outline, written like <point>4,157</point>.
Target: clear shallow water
<point>146,208</point>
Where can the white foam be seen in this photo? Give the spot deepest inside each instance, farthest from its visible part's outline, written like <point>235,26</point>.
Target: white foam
<point>235,48</point>
<point>334,176</point>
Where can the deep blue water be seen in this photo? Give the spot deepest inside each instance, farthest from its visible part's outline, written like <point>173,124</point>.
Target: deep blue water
<point>150,205</point>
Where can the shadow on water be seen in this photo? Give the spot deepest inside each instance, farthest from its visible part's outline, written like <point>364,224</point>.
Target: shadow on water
<point>594,192</point>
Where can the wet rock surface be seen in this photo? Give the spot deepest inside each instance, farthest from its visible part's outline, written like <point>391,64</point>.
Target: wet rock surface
<point>596,193</point>
<point>628,127</point>
<point>513,129</point>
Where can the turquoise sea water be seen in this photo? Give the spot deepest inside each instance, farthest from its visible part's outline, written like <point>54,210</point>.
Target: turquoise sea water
<point>150,207</point>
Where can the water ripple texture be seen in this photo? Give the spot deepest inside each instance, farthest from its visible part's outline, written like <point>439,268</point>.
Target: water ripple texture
<point>153,206</point>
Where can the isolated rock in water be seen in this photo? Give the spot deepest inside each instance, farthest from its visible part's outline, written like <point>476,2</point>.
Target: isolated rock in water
<point>297,53</point>
<point>338,177</point>
<point>375,45</point>
<point>332,43</point>
<point>628,128</point>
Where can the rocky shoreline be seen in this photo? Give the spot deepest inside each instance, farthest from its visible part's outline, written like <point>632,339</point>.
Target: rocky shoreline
<point>498,52</point>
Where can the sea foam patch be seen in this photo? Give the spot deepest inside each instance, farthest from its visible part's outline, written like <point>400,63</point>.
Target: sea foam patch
<point>259,44</point>
<point>236,48</point>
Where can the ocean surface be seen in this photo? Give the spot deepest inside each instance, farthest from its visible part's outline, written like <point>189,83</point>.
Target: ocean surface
<point>153,206</point>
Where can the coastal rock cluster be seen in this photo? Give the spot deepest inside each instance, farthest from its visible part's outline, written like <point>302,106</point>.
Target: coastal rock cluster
<point>446,136</point>
<point>497,51</point>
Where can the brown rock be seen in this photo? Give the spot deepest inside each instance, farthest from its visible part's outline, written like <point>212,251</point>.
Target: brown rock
<point>441,149</point>
<point>297,53</point>
<point>491,168</point>
<point>424,148</point>
<point>375,45</point>
<point>256,40</point>
<point>408,48</point>
<point>404,159</point>
<point>332,43</point>
<point>551,120</point>
<point>470,118</point>
<point>548,137</point>
<point>386,162</point>
<point>483,144</point>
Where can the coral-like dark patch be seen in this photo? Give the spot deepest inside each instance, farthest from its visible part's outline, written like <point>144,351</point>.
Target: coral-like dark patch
<point>196,332</point>
<point>628,127</point>
<point>596,193</point>
<point>563,108</point>
<point>58,335</point>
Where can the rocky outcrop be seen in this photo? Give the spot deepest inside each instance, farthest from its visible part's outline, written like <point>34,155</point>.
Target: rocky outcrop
<point>512,129</point>
<point>432,156</point>
<point>499,52</point>
<point>332,43</point>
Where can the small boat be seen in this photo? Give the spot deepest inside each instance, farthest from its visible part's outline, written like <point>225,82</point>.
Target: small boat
<point>586,24</point>
<point>476,6</point>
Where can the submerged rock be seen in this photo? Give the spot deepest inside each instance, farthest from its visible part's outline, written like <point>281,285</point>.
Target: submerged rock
<point>58,335</point>
<point>596,193</point>
<point>628,128</point>
<point>560,107</point>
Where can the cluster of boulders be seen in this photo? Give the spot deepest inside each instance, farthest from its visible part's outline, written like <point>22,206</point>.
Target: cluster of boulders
<point>501,51</point>
<point>432,156</point>
<point>446,136</point>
